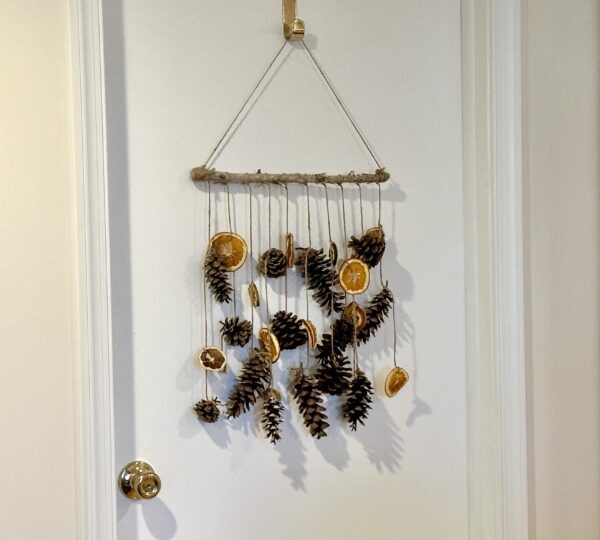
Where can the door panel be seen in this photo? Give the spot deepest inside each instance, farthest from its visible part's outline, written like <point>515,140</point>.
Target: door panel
<point>176,72</point>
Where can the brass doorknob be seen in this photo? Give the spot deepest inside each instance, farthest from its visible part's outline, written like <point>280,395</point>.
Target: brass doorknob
<point>138,480</point>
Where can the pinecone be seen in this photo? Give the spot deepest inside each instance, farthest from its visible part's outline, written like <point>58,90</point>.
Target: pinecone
<point>207,410</point>
<point>310,403</point>
<point>322,278</point>
<point>358,400</point>
<point>288,330</point>
<point>252,381</point>
<point>236,332</point>
<point>271,417</point>
<point>273,263</point>
<point>333,375</point>
<point>216,277</point>
<point>377,310</point>
<point>369,247</point>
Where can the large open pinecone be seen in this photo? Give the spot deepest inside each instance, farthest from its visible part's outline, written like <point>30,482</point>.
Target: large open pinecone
<point>358,400</point>
<point>251,383</point>
<point>377,310</point>
<point>369,247</point>
<point>333,374</point>
<point>271,417</point>
<point>273,263</point>
<point>207,410</point>
<point>236,332</point>
<point>216,277</point>
<point>288,330</point>
<point>310,403</point>
<point>322,278</point>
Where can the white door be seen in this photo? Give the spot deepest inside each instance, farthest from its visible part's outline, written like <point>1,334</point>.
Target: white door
<point>176,72</point>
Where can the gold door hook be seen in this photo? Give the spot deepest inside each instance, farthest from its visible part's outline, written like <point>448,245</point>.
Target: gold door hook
<point>293,28</point>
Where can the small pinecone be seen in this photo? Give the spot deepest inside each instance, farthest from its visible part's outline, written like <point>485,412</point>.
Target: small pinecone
<point>207,410</point>
<point>377,310</point>
<point>271,417</point>
<point>369,247</point>
<point>333,375</point>
<point>288,330</point>
<point>273,263</point>
<point>322,278</point>
<point>251,383</point>
<point>236,332</point>
<point>358,400</point>
<point>310,403</point>
<point>216,277</point>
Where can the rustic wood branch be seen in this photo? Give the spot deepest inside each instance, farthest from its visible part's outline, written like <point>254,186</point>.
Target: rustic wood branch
<point>202,174</point>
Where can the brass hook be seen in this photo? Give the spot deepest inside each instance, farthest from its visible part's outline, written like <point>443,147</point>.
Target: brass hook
<point>293,28</point>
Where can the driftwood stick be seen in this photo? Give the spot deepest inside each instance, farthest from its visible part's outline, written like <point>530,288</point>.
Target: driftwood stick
<point>202,174</point>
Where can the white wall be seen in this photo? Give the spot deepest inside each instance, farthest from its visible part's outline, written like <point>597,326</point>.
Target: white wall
<point>562,140</point>
<point>38,335</point>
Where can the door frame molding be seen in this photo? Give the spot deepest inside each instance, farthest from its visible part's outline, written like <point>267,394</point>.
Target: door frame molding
<point>491,43</point>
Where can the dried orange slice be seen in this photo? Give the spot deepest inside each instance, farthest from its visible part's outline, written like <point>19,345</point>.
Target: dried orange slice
<point>212,359</point>
<point>395,380</point>
<point>333,253</point>
<point>354,276</point>
<point>269,344</point>
<point>311,332</point>
<point>290,254</point>
<point>231,248</point>
<point>253,293</point>
<point>356,315</point>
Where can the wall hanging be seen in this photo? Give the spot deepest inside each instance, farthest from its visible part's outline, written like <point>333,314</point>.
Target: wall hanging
<point>335,280</point>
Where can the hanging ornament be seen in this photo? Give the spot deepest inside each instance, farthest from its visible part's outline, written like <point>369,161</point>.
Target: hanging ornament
<point>333,253</point>
<point>236,332</point>
<point>212,359</point>
<point>269,344</point>
<point>207,410</point>
<point>253,294</point>
<point>230,248</point>
<point>272,414</point>
<point>315,267</point>
<point>311,332</point>
<point>288,330</point>
<point>370,247</point>
<point>215,273</point>
<point>395,380</point>
<point>377,310</point>
<point>289,245</point>
<point>358,400</point>
<point>252,382</point>
<point>354,276</point>
<point>355,315</point>
<point>310,403</point>
<point>273,263</point>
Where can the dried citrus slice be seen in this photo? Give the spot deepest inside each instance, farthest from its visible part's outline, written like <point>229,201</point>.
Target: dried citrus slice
<point>212,359</point>
<point>356,315</point>
<point>333,253</point>
<point>253,293</point>
<point>290,254</point>
<point>311,332</point>
<point>395,380</point>
<point>269,344</point>
<point>231,248</point>
<point>354,276</point>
